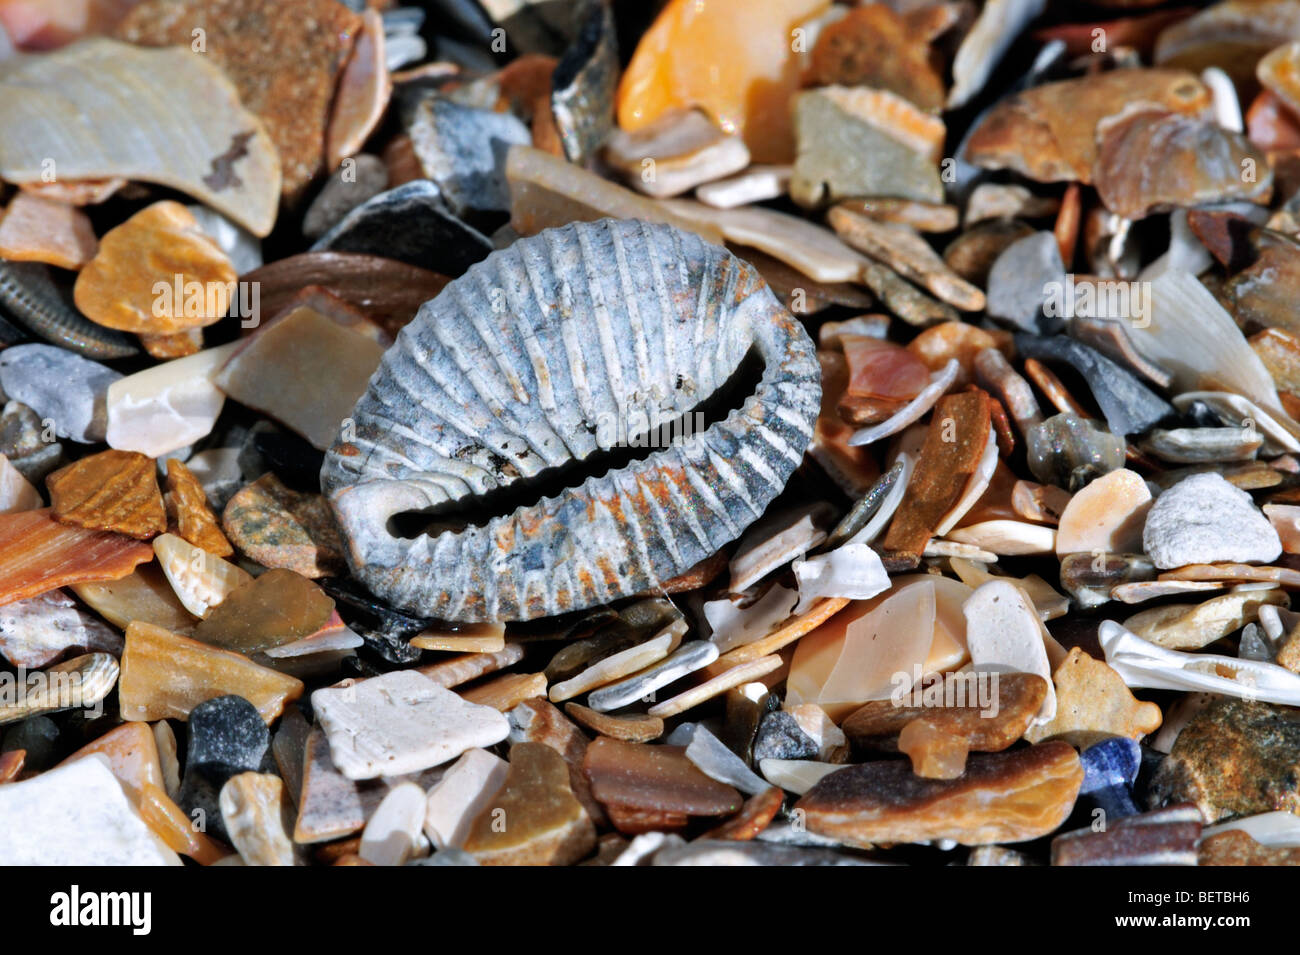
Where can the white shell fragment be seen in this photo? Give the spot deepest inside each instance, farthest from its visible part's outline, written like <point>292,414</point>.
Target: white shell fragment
<point>39,630</point>
<point>168,406</point>
<point>401,722</point>
<point>795,775</point>
<point>1108,515</point>
<point>16,492</point>
<point>774,542</point>
<point>185,127</point>
<point>200,580</point>
<point>995,29</point>
<point>393,834</point>
<point>733,626</point>
<point>601,326</point>
<point>852,570</point>
<point>76,814</point>
<point>675,153</point>
<point>755,184</point>
<point>1143,664</point>
<point>688,658</point>
<point>1003,631</point>
<point>1007,538</point>
<point>255,812</point>
<point>716,760</point>
<point>464,791</point>
<point>619,665</point>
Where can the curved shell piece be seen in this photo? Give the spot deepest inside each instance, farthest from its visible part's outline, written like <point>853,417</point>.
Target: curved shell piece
<point>538,357</point>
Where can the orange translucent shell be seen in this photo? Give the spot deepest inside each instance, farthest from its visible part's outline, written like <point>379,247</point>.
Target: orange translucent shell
<point>735,59</point>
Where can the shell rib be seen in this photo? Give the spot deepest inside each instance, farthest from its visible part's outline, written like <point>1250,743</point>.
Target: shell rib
<point>518,367</point>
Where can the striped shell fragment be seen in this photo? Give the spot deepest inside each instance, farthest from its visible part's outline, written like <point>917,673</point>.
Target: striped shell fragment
<point>514,372</point>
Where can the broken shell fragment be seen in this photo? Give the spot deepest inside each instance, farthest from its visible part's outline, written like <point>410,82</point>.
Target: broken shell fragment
<point>1155,160</point>
<point>109,491</point>
<point>1047,133</point>
<point>165,675</point>
<point>201,580</point>
<point>675,153</point>
<point>861,142</point>
<point>484,423</point>
<point>79,95</point>
<point>38,554</point>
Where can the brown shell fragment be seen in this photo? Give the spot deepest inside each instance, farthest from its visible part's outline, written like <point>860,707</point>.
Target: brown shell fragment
<point>386,291</point>
<point>109,491</point>
<point>656,778</point>
<point>1047,132</point>
<point>1154,160</point>
<point>194,519</point>
<point>363,91</point>
<point>280,527</point>
<point>754,816</point>
<point>959,430</point>
<point>165,675</point>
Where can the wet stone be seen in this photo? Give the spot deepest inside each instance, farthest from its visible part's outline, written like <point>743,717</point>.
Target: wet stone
<point>876,726</point>
<point>1110,769</point>
<point>1233,758</point>
<point>654,778</point>
<point>275,608</point>
<point>22,442</point>
<point>1092,701</point>
<point>1128,405</point>
<point>165,676</point>
<point>227,737</point>
<point>410,224</point>
<point>780,737</point>
<point>1019,279</point>
<point>1003,797</point>
<point>1070,451</point>
<point>1235,847</point>
<point>60,386</point>
<point>282,528</point>
<point>303,368</point>
<point>1166,837</point>
<point>463,151</point>
<point>544,824</point>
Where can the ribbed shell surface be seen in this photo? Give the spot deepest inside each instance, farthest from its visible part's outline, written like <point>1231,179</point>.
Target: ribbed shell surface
<point>540,355</point>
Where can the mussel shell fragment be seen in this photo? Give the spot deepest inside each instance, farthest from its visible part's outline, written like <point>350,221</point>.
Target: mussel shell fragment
<point>29,293</point>
<point>524,365</point>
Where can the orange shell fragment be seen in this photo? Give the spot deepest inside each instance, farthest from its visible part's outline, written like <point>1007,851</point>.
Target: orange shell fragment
<point>735,59</point>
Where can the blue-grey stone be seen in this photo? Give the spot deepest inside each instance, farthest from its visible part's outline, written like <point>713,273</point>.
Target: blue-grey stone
<point>411,224</point>
<point>1129,406</point>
